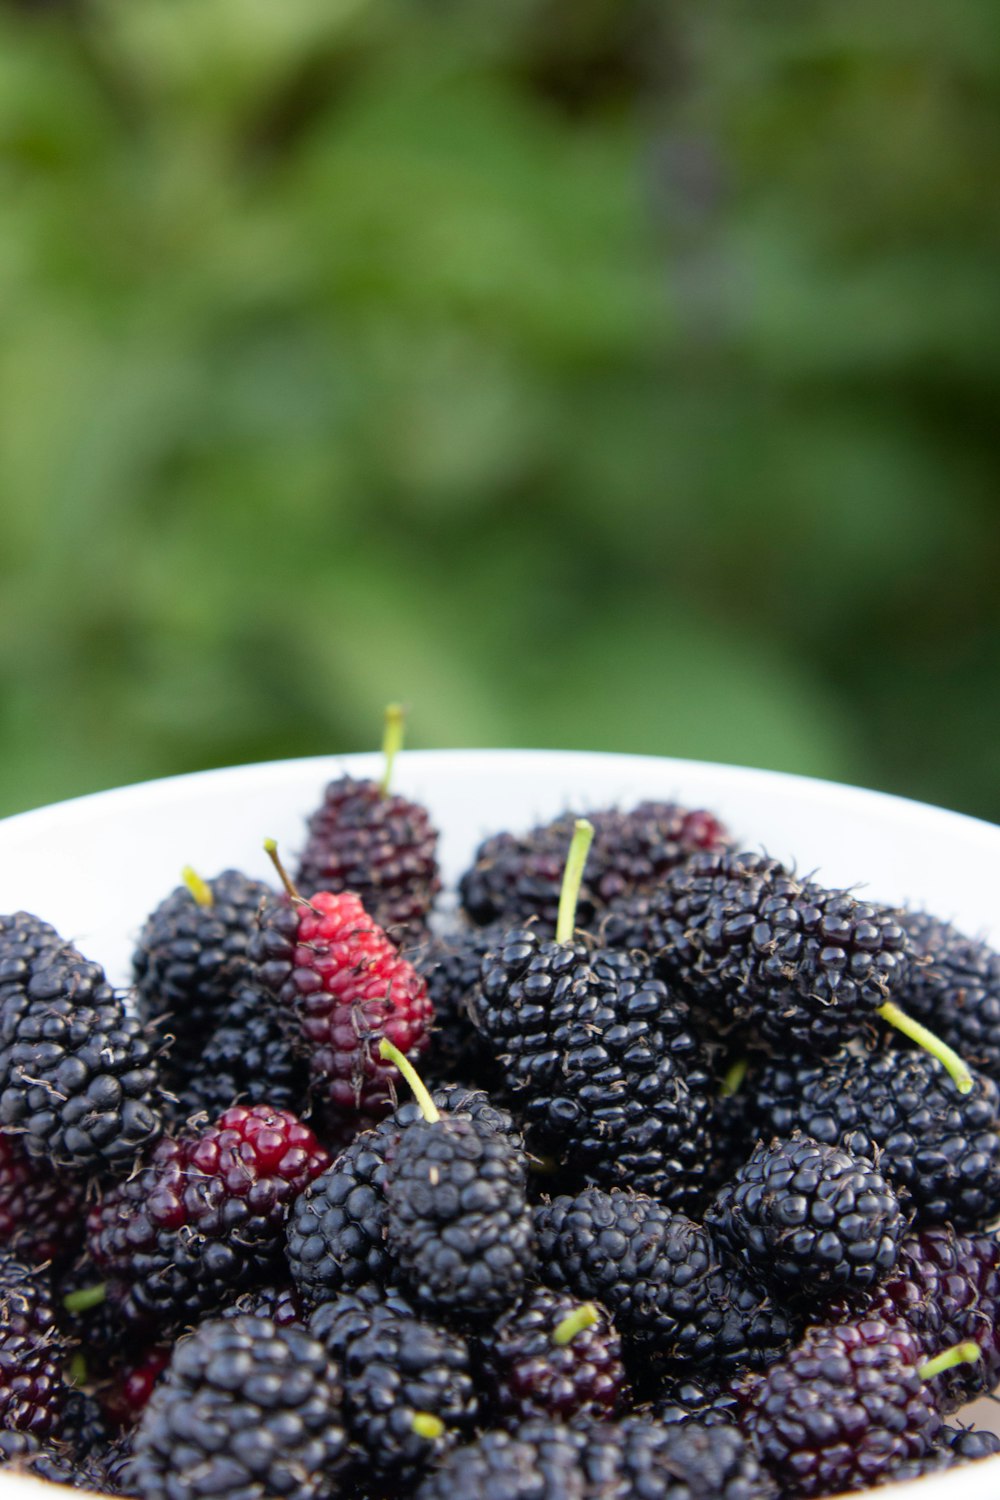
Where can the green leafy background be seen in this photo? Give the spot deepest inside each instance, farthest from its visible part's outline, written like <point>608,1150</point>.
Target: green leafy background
<point>583,374</point>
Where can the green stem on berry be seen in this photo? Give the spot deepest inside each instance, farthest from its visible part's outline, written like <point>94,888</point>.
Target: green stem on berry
<point>959,1354</point>
<point>925,1038</point>
<point>200,889</point>
<point>392,1054</point>
<point>392,742</point>
<point>271,850</point>
<point>569,895</point>
<point>544,1165</point>
<point>426,1425</point>
<point>77,1369</point>
<point>584,1316</point>
<point>732,1080</point>
<point>85,1297</point>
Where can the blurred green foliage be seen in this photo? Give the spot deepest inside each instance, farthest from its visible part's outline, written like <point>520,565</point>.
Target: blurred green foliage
<point>581,373</point>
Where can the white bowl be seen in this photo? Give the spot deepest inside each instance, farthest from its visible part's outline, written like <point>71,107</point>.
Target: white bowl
<point>95,867</point>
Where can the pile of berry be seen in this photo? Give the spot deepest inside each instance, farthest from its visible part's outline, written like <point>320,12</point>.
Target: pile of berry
<point>655,1176</point>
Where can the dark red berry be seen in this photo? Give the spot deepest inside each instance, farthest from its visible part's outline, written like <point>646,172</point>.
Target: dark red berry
<point>41,1214</point>
<point>205,1217</point>
<point>517,877</point>
<point>842,1410</point>
<point>379,845</point>
<point>552,1356</point>
<point>33,1392</point>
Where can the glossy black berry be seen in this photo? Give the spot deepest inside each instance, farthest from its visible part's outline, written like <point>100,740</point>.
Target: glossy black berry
<point>943,1147</point>
<point>192,955</point>
<point>666,1284</point>
<point>954,988</point>
<point>803,1215</point>
<point>246,1408</point>
<point>599,1057</point>
<point>398,1370</point>
<point>791,963</point>
<point>459,1227</point>
<point>79,1080</point>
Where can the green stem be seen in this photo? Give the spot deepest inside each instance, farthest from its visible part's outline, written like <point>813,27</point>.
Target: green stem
<point>958,1354</point>
<point>584,1316</point>
<point>85,1297</point>
<point>200,889</point>
<point>392,1054</point>
<point>733,1077</point>
<point>569,895</point>
<point>78,1368</point>
<point>392,742</point>
<point>271,850</point>
<point>426,1425</point>
<point>926,1038</point>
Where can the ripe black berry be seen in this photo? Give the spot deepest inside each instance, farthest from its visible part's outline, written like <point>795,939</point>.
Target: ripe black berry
<point>246,1408</point>
<point>904,1110</point>
<point>794,964</point>
<point>192,954</point>
<point>459,1227</point>
<point>552,1356</point>
<point>665,1283</point>
<point>78,1076</point>
<point>600,1058</point>
<point>842,1410</point>
<point>802,1216</point>
<point>398,1371</point>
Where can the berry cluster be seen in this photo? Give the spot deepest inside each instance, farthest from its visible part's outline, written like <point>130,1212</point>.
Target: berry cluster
<point>632,1184</point>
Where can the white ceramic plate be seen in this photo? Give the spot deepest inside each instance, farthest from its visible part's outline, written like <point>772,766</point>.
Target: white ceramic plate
<point>96,866</point>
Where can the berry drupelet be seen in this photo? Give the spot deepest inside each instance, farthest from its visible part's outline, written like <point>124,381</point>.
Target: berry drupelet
<point>666,1284</point>
<point>542,1461</point>
<point>192,954</point>
<point>336,1231</point>
<point>954,987</point>
<point>334,970</point>
<point>246,1408</point>
<point>33,1392</point>
<point>409,1393</point>
<point>40,1213</point>
<point>902,1109</point>
<point>205,1217</point>
<point>517,878</point>
<point>802,1216</point>
<point>383,847</point>
<point>843,1409</point>
<point>552,1356</point>
<point>78,1076</point>
<point>249,1058</point>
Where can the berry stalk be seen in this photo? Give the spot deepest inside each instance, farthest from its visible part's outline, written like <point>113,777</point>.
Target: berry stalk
<point>392,743</point>
<point>959,1354</point>
<point>946,1056</point>
<point>569,894</point>
<point>426,1425</point>
<point>573,1323</point>
<point>392,1054</point>
<point>200,889</point>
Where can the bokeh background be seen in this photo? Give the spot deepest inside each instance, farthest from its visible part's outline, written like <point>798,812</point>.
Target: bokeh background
<point>581,373</point>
